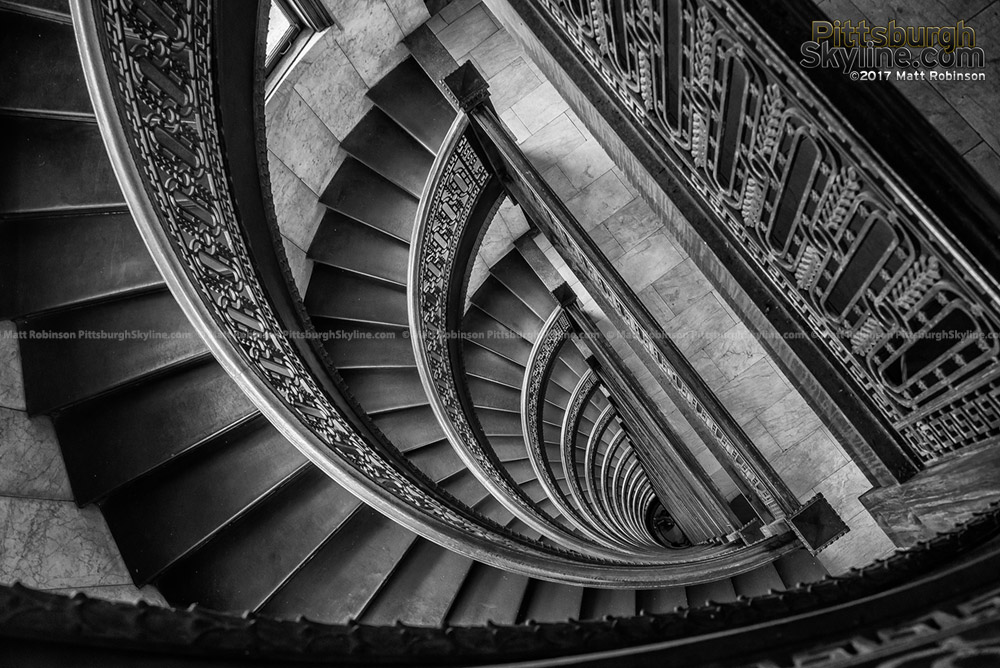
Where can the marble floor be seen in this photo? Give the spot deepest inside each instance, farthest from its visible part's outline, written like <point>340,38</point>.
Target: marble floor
<point>640,245</point>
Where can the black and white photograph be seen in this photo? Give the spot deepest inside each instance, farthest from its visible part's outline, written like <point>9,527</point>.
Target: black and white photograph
<point>521,333</point>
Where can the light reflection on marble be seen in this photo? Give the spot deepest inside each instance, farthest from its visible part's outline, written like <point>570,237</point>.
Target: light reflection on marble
<point>302,141</point>
<point>863,544</point>
<point>753,391</point>
<point>11,381</point>
<point>647,261</point>
<point>760,437</point>
<point>682,286</point>
<point>634,223</point>
<point>371,38</point>
<point>54,544</point>
<point>511,84</point>
<point>456,9</point>
<point>299,264</point>
<point>598,200</point>
<point>409,14</point>
<point>560,185</point>
<point>296,206</point>
<point>736,350</point>
<point>602,237</point>
<point>842,489</point>
<point>467,32</point>
<point>790,420</point>
<point>708,370</point>
<point>548,145</point>
<point>699,324</point>
<point>813,459</point>
<point>31,464</point>
<point>515,126</point>
<point>539,107</point>
<point>495,53</point>
<point>332,87</point>
<point>513,217</point>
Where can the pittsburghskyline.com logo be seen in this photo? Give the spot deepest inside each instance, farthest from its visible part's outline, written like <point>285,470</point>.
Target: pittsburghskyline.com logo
<point>895,51</point>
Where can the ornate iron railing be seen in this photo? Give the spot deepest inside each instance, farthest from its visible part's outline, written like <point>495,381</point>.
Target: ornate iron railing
<point>596,503</point>
<point>732,447</point>
<point>579,398</point>
<point>455,205</point>
<point>905,310</point>
<point>554,335</point>
<point>178,95</point>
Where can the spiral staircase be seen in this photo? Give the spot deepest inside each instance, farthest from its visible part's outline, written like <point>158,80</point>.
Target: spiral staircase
<point>212,504</point>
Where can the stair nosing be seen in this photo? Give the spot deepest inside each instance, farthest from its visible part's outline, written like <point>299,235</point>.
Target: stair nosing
<point>174,458</point>
<point>267,493</point>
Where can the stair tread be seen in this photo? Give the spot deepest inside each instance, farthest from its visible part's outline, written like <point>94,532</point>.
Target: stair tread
<point>552,602</point>
<point>487,364</point>
<point>379,142</point>
<point>799,567</point>
<point>365,195</point>
<point>488,595</point>
<point>718,591</point>
<point>338,580</point>
<point>409,96</point>
<point>385,389</point>
<point>514,272</point>
<point>62,371</point>
<point>758,582</point>
<point>343,242</point>
<point>52,263</point>
<point>421,589</point>
<point>438,461</point>
<point>661,600</point>
<point>504,306</point>
<point>39,66</point>
<point>598,603</point>
<point>489,333</point>
<point>334,293</point>
<point>112,440</point>
<point>41,170</point>
<point>353,345</point>
<point>278,534</point>
<point>167,514</point>
<point>411,428</point>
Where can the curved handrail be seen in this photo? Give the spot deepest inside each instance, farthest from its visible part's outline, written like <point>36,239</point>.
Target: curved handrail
<point>554,334</point>
<point>444,219</point>
<point>172,164</point>
<point>156,74</point>
<point>603,423</point>
<point>616,443</point>
<point>452,198</point>
<point>581,393</point>
<point>578,397</point>
<point>180,106</point>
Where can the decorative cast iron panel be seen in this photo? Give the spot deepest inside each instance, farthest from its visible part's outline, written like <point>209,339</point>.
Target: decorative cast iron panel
<point>872,274</point>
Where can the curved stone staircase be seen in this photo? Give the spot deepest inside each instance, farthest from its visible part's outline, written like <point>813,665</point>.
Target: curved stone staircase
<point>204,498</point>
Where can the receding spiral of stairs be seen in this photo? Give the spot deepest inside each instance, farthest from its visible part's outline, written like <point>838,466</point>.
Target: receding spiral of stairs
<point>205,498</point>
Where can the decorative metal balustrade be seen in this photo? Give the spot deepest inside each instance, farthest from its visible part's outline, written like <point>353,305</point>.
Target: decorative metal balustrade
<point>579,397</point>
<point>179,102</point>
<point>555,334</point>
<point>907,313</point>
<point>733,448</point>
<point>456,204</point>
